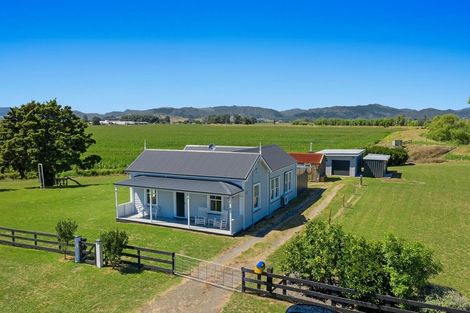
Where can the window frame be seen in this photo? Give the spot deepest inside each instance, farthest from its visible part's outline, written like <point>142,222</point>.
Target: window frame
<point>209,203</point>
<point>150,194</point>
<point>256,208</point>
<point>288,188</point>
<point>274,193</point>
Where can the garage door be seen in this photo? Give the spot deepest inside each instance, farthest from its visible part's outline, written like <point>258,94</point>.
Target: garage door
<point>340,167</point>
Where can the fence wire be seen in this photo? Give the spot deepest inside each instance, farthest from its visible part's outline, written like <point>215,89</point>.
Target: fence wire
<point>209,272</point>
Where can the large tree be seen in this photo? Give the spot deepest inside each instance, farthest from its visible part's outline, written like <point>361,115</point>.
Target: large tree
<point>44,133</point>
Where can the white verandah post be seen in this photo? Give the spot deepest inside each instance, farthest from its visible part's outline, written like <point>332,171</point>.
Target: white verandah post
<point>151,206</point>
<point>230,214</point>
<point>116,198</point>
<point>189,211</point>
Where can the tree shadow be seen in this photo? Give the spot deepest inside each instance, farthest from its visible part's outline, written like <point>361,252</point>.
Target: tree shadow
<point>7,189</point>
<point>287,217</point>
<point>394,174</point>
<point>126,269</point>
<point>332,179</point>
<point>66,187</point>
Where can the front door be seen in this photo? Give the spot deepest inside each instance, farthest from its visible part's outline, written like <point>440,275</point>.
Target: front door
<point>180,204</point>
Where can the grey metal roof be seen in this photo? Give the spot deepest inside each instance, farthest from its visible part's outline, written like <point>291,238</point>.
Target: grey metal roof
<point>275,156</point>
<point>195,163</point>
<point>342,152</point>
<point>182,184</point>
<point>377,157</point>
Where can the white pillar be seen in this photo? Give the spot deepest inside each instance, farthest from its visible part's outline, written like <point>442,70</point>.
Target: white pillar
<point>189,211</point>
<point>151,206</point>
<point>99,254</point>
<point>116,198</point>
<point>230,213</point>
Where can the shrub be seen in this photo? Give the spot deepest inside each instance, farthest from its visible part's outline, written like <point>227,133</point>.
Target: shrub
<point>65,230</point>
<point>113,242</point>
<point>409,266</point>
<point>89,161</point>
<point>398,156</point>
<point>315,254</point>
<point>445,297</point>
<point>326,254</point>
<point>363,268</point>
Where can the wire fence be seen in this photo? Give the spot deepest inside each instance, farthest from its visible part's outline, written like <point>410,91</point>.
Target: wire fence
<point>208,272</point>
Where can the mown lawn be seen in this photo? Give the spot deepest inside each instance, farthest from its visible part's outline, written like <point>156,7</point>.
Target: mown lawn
<point>119,145</point>
<point>35,281</point>
<point>429,204</point>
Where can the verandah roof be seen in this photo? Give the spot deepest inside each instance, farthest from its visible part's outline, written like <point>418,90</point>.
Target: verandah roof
<point>182,184</point>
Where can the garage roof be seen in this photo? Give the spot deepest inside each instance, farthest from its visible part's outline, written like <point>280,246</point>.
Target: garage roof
<point>377,157</point>
<point>342,152</point>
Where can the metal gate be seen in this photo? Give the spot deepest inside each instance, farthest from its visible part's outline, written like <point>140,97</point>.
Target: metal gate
<point>208,272</point>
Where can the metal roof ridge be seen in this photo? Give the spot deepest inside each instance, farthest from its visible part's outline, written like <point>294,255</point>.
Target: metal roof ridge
<point>204,151</point>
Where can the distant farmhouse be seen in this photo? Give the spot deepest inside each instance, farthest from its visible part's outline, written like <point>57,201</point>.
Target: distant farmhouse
<point>119,122</point>
<point>221,190</point>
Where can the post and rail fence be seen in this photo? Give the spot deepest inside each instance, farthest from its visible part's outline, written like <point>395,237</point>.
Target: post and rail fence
<point>267,284</point>
<point>91,253</point>
<point>32,240</point>
<point>332,297</point>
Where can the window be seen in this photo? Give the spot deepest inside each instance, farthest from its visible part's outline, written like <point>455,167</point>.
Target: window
<point>215,203</point>
<point>287,181</point>
<point>151,196</point>
<point>256,193</point>
<point>274,185</point>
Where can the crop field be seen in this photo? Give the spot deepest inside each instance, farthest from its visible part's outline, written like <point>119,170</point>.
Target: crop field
<point>119,145</point>
<point>37,281</point>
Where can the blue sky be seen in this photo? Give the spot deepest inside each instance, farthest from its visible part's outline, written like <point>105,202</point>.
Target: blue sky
<point>99,56</point>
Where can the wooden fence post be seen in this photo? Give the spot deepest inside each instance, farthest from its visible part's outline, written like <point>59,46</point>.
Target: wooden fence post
<point>173,259</point>
<point>258,285</point>
<point>243,280</point>
<point>138,258</point>
<point>284,291</point>
<point>35,239</point>
<point>269,279</point>
<point>13,236</point>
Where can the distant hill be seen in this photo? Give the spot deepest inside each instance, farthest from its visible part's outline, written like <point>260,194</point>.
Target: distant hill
<point>368,111</point>
<point>4,111</point>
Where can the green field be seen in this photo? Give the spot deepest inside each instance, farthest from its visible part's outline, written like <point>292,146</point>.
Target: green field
<point>36,281</point>
<point>119,145</point>
<point>429,204</point>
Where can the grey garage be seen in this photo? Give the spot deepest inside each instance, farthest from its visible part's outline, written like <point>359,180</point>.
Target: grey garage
<point>344,162</point>
<point>375,165</point>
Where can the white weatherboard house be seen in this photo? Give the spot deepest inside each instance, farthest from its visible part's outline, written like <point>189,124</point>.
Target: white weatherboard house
<point>221,190</point>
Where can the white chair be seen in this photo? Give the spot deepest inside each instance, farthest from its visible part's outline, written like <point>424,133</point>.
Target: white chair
<point>222,221</point>
<point>201,217</point>
<point>155,210</point>
<point>140,209</point>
